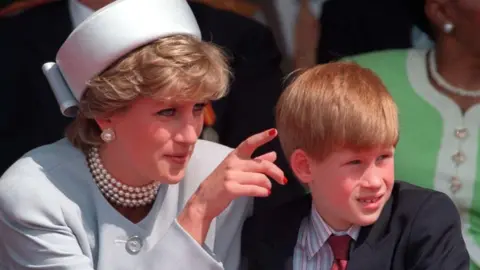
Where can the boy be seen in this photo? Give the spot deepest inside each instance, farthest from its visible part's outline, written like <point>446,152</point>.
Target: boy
<point>338,125</point>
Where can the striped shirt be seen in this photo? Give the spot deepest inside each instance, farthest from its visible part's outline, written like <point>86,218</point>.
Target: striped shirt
<point>312,251</point>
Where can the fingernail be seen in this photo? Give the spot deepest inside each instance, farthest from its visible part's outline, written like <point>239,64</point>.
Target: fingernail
<point>285,180</point>
<point>272,132</point>
<point>269,192</point>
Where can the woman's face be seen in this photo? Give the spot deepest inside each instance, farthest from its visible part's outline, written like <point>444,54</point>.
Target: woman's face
<point>154,139</point>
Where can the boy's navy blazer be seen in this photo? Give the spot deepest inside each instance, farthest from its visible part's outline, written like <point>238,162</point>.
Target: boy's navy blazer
<point>418,229</point>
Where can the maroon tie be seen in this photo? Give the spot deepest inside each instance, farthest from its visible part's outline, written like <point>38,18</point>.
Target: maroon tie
<point>340,245</point>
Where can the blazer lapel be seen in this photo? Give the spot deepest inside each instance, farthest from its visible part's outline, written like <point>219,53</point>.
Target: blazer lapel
<point>362,253</point>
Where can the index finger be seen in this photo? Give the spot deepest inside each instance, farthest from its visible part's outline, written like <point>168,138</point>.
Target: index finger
<point>248,146</point>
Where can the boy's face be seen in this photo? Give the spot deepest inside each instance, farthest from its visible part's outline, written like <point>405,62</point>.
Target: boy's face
<point>351,187</point>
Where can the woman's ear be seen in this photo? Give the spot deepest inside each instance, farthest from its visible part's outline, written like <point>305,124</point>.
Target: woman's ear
<point>438,14</point>
<point>103,123</point>
<point>110,120</point>
<point>300,163</point>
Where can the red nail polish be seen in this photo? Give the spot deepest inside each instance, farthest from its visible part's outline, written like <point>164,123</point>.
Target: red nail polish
<point>272,132</point>
<point>285,180</point>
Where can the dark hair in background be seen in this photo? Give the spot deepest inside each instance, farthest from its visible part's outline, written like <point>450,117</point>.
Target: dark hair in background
<point>419,18</point>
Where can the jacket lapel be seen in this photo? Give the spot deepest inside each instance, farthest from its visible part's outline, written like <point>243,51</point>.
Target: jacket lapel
<point>278,242</point>
<point>362,253</point>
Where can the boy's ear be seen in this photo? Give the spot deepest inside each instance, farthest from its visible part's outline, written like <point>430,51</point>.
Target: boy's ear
<point>300,163</point>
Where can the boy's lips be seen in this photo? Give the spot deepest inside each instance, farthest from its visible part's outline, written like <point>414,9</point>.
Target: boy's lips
<point>370,199</point>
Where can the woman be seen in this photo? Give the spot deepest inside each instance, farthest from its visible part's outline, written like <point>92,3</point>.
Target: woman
<point>131,187</point>
<point>440,109</point>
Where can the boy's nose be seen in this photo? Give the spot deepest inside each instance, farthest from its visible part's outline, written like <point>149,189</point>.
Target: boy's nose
<point>372,181</point>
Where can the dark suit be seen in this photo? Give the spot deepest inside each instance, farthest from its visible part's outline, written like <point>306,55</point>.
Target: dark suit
<point>417,229</point>
<point>351,27</point>
<point>30,116</point>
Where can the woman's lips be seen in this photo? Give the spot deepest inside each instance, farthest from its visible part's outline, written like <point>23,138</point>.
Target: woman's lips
<point>178,158</point>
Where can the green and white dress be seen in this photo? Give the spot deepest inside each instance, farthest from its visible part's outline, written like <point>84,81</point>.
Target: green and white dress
<point>439,145</point>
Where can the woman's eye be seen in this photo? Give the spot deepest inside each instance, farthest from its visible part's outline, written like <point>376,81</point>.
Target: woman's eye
<point>167,112</point>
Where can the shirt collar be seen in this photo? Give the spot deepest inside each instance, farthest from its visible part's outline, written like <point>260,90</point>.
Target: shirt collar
<point>78,12</point>
<point>318,233</point>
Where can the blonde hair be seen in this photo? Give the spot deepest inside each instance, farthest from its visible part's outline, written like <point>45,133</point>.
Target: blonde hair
<point>334,106</point>
<point>178,67</point>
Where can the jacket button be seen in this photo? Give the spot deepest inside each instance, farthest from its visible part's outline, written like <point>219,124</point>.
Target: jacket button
<point>134,245</point>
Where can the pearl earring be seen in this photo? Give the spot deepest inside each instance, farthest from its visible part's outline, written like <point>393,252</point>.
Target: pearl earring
<point>108,135</point>
<point>448,27</point>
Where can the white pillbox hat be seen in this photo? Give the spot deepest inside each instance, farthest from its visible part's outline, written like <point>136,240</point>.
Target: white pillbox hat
<point>106,36</point>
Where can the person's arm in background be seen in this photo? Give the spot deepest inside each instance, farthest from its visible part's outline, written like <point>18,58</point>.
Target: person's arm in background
<point>307,33</point>
<point>295,25</point>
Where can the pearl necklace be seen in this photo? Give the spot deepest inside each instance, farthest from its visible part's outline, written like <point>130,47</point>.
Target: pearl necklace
<point>432,63</point>
<point>116,192</point>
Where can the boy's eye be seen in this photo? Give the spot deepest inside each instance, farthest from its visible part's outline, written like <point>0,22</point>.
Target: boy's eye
<point>167,112</point>
<point>383,157</point>
<point>354,162</point>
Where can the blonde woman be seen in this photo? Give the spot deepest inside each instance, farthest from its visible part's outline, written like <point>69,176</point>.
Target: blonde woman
<point>132,187</point>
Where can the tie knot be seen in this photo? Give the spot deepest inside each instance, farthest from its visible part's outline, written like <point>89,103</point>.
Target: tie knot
<point>340,245</point>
